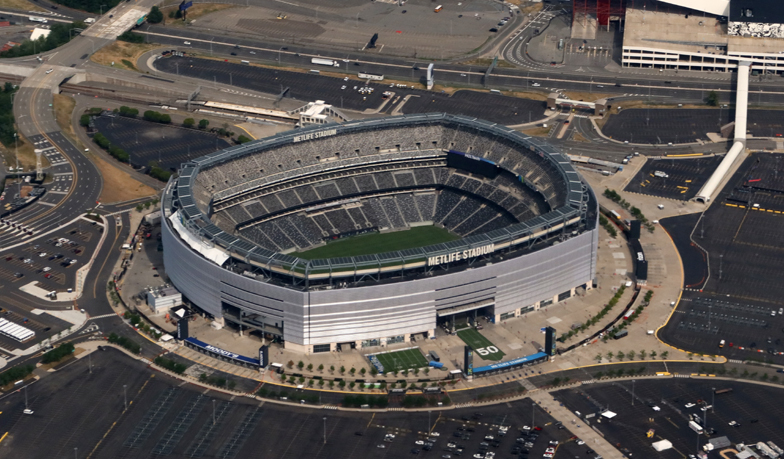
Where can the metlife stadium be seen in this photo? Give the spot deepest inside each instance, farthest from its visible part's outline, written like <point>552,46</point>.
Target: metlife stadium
<point>526,225</point>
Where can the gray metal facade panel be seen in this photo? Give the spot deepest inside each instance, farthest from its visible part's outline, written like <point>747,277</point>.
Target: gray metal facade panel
<point>383,310</point>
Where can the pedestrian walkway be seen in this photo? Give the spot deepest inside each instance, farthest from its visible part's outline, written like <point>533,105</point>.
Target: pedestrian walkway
<point>592,438</point>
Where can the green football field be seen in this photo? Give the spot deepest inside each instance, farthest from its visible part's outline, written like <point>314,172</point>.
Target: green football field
<point>368,244</point>
<point>482,346</point>
<point>407,359</point>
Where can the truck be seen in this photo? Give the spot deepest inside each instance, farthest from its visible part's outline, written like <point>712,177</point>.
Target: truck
<point>435,364</point>
<point>434,356</point>
<point>695,427</point>
<point>321,61</point>
<point>620,334</point>
<point>141,20</point>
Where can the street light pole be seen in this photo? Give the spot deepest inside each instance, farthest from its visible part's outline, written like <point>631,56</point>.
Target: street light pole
<point>125,396</point>
<point>76,452</point>
<point>713,400</point>
<point>428,421</point>
<point>632,392</point>
<point>213,411</point>
<point>325,430</point>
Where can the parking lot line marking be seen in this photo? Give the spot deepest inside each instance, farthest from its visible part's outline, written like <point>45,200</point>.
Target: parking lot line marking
<point>371,420</point>
<point>3,437</point>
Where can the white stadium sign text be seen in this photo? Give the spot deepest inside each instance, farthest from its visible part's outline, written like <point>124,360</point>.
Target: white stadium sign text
<point>461,255</point>
<point>315,135</point>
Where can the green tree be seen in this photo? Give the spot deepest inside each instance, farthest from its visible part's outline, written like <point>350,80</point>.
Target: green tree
<point>620,355</point>
<point>342,369</point>
<point>310,367</point>
<point>665,354</point>
<point>188,122</point>
<point>84,120</point>
<point>373,371</point>
<point>598,358</point>
<point>155,16</point>
<point>362,371</point>
<point>243,139</point>
<point>712,99</point>
<point>300,364</point>
<point>332,368</point>
<point>352,371</point>
<point>653,355</point>
<point>642,354</point>
<point>321,383</point>
<point>203,124</point>
<point>321,368</point>
<point>631,355</point>
<point>610,356</point>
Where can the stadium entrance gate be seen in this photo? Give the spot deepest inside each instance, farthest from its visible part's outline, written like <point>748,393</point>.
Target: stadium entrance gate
<point>455,317</point>
<point>253,323</point>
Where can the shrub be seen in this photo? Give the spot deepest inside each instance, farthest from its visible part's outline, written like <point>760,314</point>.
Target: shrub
<point>84,120</point>
<point>131,37</point>
<point>188,122</point>
<point>58,353</point>
<point>128,344</point>
<point>243,139</point>
<point>171,365</point>
<point>155,16</point>
<point>203,124</point>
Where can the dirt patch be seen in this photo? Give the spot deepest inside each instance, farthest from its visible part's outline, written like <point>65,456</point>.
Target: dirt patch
<point>122,54</point>
<point>586,96</point>
<point>577,137</point>
<point>530,9</point>
<point>63,109</point>
<point>537,132</point>
<point>23,5</point>
<point>194,12</point>
<point>118,185</point>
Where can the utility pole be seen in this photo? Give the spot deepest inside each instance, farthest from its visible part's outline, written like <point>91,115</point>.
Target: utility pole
<point>632,392</point>
<point>325,430</point>
<point>213,411</point>
<point>125,396</point>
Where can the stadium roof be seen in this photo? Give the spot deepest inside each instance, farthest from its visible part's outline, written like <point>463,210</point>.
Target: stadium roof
<point>193,220</point>
<point>717,7</point>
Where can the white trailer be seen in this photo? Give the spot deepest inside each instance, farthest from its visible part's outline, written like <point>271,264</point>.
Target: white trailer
<point>320,61</point>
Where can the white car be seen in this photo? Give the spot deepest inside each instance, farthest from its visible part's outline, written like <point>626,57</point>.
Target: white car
<point>451,445</point>
<point>580,442</point>
<point>49,71</point>
<point>525,428</point>
<point>187,43</point>
<point>419,442</point>
<point>656,408</point>
<point>343,87</point>
<point>42,254</point>
<point>535,85</point>
<point>435,434</point>
<point>550,450</point>
<point>382,446</point>
<point>478,456</point>
<point>690,405</point>
<point>345,79</point>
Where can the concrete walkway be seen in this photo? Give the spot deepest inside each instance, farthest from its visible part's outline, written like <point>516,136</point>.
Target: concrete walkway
<point>593,439</point>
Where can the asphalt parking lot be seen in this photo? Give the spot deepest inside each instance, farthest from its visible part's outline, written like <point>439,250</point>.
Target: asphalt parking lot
<point>743,250</point>
<point>167,145</point>
<point>310,87</point>
<point>747,404</point>
<point>661,126</point>
<point>168,418</point>
<point>52,262</point>
<point>673,178</point>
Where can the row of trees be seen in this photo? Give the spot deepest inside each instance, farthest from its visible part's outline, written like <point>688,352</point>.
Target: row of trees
<point>7,129</point>
<point>620,355</point>
<point>595,319</point>
<point>637,213</point>
<point>171,365</point>
<point>58,353</point>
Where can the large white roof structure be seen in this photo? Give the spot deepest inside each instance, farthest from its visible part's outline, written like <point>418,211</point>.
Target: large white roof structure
<point>717,7</point>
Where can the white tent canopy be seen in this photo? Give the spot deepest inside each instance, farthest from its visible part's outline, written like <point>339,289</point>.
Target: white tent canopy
<point>609,414</point>
<point>662,445</point>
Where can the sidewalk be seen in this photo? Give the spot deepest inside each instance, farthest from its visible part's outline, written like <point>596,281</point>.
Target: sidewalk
<point>592,438</point>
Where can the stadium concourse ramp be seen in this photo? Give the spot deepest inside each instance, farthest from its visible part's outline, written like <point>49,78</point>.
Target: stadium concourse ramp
<point>739,145</point>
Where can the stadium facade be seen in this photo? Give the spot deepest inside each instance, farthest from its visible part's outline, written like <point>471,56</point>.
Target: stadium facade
<point>234,219</point>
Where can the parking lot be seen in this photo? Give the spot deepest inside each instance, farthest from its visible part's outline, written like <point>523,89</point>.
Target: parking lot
<point>673,178</point>
<point>52,262</point>
<point>167,145</point>
<point>168,418</point>
<point>742,244</point>
<point>345,94</point>
<point>748,405</point>
<point>662,126</point>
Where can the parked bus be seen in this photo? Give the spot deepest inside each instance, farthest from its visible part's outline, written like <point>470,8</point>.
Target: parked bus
<point>695,427</point>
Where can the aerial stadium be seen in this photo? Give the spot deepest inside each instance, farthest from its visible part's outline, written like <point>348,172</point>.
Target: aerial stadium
<point>372,232</point>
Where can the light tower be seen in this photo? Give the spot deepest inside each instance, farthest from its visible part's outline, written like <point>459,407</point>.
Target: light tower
<point>39,173</point>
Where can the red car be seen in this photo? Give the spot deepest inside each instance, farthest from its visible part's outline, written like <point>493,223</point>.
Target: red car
<point>537,428</point>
